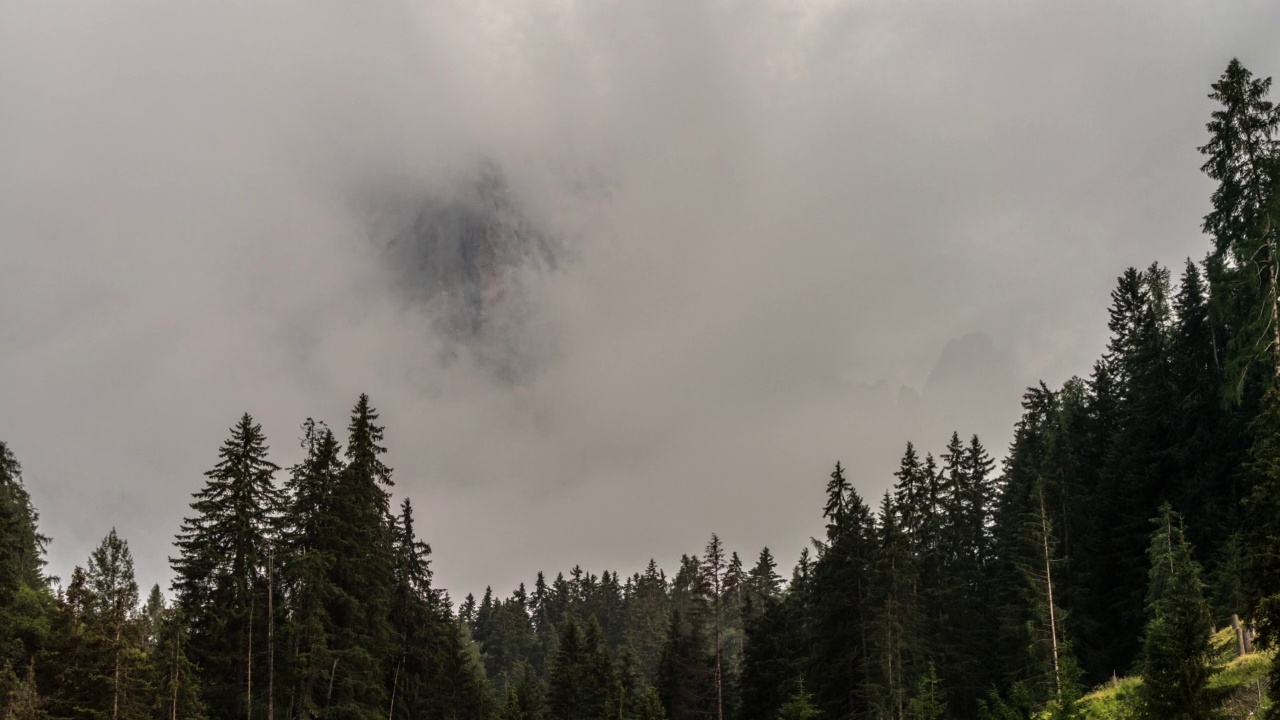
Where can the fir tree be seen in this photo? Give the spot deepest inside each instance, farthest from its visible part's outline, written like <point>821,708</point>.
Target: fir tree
<point>799,707</point>
<point>1242,158</point>
<point>218,572</point>
<point>1175,650</point>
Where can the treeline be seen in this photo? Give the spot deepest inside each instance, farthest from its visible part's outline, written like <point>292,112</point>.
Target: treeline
<point>303,592</point>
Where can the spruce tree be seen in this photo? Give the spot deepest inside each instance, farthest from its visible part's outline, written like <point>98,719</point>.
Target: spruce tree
<point>1175,651</point>
<point>1244,266</point>
<point>647,615</point>
<point>357,540</point>
<point>1262,534</point>
<point>837,598</point>
<point>713,570</point>
<point>219,569</point>
<point>26,605</point>
<point>799,707</point>
<point>115,591</point>
<point>175,678</point>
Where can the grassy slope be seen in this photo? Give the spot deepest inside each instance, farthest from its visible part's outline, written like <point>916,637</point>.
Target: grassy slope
<point>1241,680</point>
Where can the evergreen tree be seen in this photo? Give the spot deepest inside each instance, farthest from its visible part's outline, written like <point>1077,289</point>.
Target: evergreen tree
<point>713,569</point>
<point>175,679</point>
<point>686,673</point>
<point>839,592</point>
<point>648,614</point>
<point>1242,157</point>
<point>1175,666</point>
<point>102,672</point>
<point>357,538</point>
<point>799,707</point>
<point>26,606</point>
<point>218,572</point>
<point>1262,534</point>
<point>581,675</point>
<point>115,592</point>
<point>773,654</point>
<point>762,581</point>
<point>418,622</point>
<point>928,701</point>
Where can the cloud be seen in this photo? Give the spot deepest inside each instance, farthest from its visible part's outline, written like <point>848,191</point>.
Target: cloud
<point>777,214</point>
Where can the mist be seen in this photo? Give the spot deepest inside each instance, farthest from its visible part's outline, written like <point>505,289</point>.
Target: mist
<point>789,233</point>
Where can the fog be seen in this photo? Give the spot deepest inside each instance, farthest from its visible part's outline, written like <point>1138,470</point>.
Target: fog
<point>791,232</point>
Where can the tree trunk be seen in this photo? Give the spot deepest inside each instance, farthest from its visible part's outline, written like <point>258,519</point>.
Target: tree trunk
<point>271,636</point>
<point>177,654</point>
<point>115,690</point>
<point>395,683</point>
<point>719,672</point>
<point>332,673</point>
<point>248,692</point>
<point>1048,580</point>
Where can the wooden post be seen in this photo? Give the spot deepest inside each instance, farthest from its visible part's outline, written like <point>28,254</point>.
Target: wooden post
<point>1240,634</point>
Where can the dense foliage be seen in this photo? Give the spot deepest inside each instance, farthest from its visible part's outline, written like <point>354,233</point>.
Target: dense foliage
<point>966,593</point>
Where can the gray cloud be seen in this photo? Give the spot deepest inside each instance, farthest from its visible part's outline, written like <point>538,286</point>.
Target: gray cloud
<point>778,213</point>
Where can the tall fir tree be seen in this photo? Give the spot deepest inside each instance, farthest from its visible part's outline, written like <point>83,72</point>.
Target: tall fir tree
<point>218,574</point>
<point>1175,650</point>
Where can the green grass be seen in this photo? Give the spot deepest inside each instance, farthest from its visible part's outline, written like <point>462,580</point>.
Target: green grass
<point>1241,682</point>
<point>1111,702</point>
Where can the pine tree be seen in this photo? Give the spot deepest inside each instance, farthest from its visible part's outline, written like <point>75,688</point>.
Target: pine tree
<point>112,585</point>
<point>1244,266</point>
<point>463,691</point>
<point>175,679</point>
<point>1262,534</point>
<point>1175,651</point>
<point>21,544</point>
<point>762,580</point>
<point>305,565</point>
<point>839,592</point>
<point>647,612</point>
<point>799,707</point>
<point>894,634</point>
<point>524,698</point>
<point>581,675</point>
<point>150,618</point>
<point>218,571</point>
<point>26,605</point>
<point>357,539</point>
<point>713,569</point>
<point>928,701</point>
<point>774,654</point>
<point>101,670</point>
<point>686,674</point>
<point>418,622</point>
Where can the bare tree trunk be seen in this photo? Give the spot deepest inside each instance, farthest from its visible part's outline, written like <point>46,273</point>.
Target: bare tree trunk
<point>248,707</point>
<point>115,690</point>
<point>271,635</point>
<point>719,671</point>
<point>1048,579</point>
<point>395,683</point>
<point>177,654</point>
<point>332,673</point>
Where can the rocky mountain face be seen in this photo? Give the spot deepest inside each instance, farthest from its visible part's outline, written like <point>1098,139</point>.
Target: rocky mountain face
<point>465,256</point>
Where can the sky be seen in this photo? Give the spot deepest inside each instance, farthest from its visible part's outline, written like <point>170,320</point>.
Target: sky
<point>795,232</point>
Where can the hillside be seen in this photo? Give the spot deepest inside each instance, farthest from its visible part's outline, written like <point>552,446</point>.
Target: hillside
<point>1240,680</point>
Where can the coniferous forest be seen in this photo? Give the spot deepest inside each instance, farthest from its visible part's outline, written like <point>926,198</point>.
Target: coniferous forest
<point>1134,519</point>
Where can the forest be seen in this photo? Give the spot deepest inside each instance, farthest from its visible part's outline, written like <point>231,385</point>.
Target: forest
<point>1134,518</point>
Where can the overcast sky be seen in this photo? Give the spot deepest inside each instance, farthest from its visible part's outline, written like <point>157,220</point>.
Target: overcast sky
<point>778,213</point>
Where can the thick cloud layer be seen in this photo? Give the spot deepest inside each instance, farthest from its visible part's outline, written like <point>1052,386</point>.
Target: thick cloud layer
<point>777,215</point>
